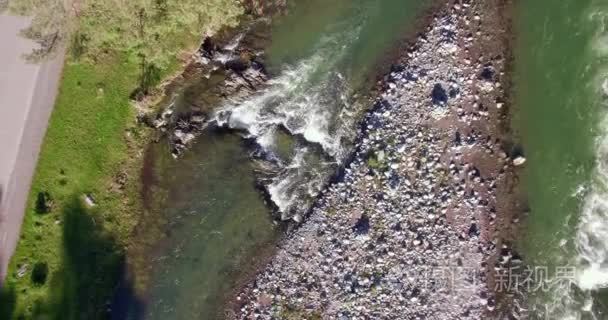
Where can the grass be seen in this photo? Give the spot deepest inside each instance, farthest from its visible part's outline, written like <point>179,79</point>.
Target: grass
<point>374,162</point>
<point>89,141</point>
<point>84,148</point>
<point>289,313</point>
<point>70,256</point>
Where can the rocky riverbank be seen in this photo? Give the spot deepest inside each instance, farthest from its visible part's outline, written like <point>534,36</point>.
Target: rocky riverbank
<point>413,227</point>
<point>227,67</point>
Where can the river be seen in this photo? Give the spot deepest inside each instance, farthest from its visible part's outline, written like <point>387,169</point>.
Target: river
<point>213,220</point>
<point>323,55</point>
<point>560,80</point>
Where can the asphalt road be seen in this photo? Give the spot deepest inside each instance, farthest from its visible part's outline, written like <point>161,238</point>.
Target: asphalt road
<point>27,96</point>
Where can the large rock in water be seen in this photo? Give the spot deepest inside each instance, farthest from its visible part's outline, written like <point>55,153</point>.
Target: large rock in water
<point>238,65</point>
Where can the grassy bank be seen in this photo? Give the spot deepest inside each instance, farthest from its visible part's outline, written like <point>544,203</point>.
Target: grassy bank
<point>71,252</point>
<point>84,151</point>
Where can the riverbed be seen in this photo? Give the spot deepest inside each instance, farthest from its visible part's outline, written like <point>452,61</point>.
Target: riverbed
<point>217,214</point>
<point>214,212</point>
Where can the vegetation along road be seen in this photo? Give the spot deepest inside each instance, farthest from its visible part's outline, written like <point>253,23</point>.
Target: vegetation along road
<point>82,205</point>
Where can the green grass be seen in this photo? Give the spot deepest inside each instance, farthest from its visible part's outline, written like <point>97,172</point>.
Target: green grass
<point>84,148</point>
<point>374,162</point>
<point>92,138</point>
<point>288,313</point>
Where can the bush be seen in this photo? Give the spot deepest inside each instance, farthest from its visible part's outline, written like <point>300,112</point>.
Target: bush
<point>376,162</point>
<point>44,202</point>
<point>40,273</point>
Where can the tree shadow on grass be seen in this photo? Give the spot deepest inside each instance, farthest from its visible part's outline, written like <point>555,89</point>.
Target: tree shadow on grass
<point>93,265</point>
<point>8,299</point>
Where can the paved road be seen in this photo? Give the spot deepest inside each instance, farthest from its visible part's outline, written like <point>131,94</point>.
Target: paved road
<point>27,95</point>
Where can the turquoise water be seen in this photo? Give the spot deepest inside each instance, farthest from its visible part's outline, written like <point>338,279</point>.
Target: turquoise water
<point>374,25</point>
<point>558,77</point>
<point>216,222</point>
<point>212,219</point>
<point>323,58</point>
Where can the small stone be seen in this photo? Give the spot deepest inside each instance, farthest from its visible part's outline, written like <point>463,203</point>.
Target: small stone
<point>519,161</point>
<point>22,271</point>
<point>89,201</point>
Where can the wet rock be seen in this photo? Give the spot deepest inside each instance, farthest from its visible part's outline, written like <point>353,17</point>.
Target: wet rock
<point>487,73</point>
<point>208,47</point>
<point>411,201</point>
<point>238,65</point>
<point>439,95</point>
<point>519,161</point>
<point>228,67</point>
<point>362,225</point>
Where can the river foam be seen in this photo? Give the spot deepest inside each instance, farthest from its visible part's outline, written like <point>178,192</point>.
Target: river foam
<point>591,237</point>
<point>308,102</point>
<point>592,232</point>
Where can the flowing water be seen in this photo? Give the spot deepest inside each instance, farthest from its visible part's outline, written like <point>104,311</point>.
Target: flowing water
<point>561,57</point>
<point>216,221</point>
<point>320,58</point>
<point>297,131</point>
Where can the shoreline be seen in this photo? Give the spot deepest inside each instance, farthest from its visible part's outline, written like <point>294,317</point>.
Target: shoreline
<point>194,67</point>
<point>163,120</point>
<point>375,80</point>
<point>506,176</point>
<point>512,206</point>
<point>407,45</point>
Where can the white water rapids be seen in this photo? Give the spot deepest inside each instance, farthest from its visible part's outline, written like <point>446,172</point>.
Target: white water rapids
<point>310,102</point>
<point>590,259</point>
